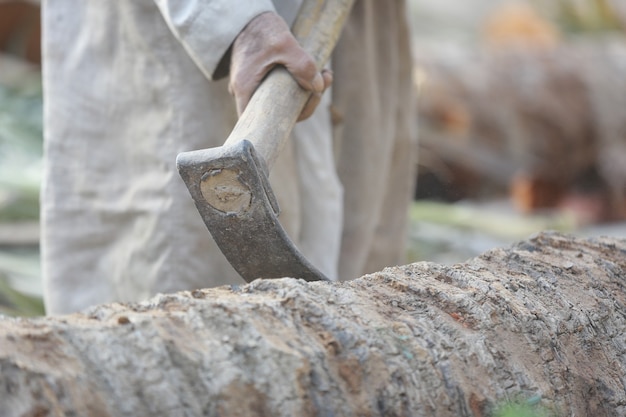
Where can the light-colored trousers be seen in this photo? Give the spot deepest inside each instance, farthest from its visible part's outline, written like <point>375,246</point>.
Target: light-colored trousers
<point>123,98</point>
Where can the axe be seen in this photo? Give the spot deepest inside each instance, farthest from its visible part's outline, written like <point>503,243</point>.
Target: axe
<point>229,184</point>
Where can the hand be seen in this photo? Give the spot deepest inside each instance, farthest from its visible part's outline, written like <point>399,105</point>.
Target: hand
<point>264,43</point>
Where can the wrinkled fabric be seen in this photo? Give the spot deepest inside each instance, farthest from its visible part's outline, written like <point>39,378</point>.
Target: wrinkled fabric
<point>375,139</point>
<point>127,86</point>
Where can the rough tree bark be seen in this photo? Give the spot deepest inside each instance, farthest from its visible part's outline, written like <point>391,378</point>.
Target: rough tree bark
<point>545,318</point>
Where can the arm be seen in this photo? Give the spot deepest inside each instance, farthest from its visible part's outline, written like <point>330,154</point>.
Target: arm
<point>207,28</point>
<point>248,40</point>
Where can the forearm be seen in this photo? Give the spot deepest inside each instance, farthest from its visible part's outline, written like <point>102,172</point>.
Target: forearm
<point>207,28</point>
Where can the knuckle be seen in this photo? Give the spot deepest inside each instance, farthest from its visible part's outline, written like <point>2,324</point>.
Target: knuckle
<point>282,42</point>
<point>303,67</point>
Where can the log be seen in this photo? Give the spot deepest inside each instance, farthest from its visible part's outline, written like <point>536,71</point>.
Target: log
<point>550,121</point>
<point>543,320</point>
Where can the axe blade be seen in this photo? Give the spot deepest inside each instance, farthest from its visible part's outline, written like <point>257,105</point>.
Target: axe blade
<point>231,190</point>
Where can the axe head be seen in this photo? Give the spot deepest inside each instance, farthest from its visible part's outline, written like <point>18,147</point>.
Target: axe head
<point>231,190</point>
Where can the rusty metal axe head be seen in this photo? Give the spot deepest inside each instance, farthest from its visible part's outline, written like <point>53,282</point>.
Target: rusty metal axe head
<point>231,190</point>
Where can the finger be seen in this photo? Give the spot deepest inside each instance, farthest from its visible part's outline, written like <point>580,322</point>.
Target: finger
<point>301,67</point>
<point>242,92</point>
<point>243,85</point>
<point>245,81</point>
<point>310,106</point>
<point>315,98</point>
<point>328,77</point>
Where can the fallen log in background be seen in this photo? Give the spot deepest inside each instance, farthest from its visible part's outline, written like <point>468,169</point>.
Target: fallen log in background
<point>545,319</point>
<point>547,121</point>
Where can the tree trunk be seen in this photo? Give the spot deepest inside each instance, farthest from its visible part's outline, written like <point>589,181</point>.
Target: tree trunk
<point>543,320</point>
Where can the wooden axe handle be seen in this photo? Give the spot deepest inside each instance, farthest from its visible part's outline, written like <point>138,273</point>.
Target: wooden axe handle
<point>275,106</point>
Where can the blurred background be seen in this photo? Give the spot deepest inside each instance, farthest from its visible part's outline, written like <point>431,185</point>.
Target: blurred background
<point>522,122</point>
<point>521,115</point>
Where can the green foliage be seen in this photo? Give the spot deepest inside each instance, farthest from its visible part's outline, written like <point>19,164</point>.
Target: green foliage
<point>516,411</point>
<point>502,224</point>
<point>21,138</point>
<point>589,16</point>
<point>530,407</point>
<point>16,303</point>
<point>20,292</point>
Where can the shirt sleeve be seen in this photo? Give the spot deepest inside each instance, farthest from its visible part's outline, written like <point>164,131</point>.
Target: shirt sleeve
<point>207,28</point>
